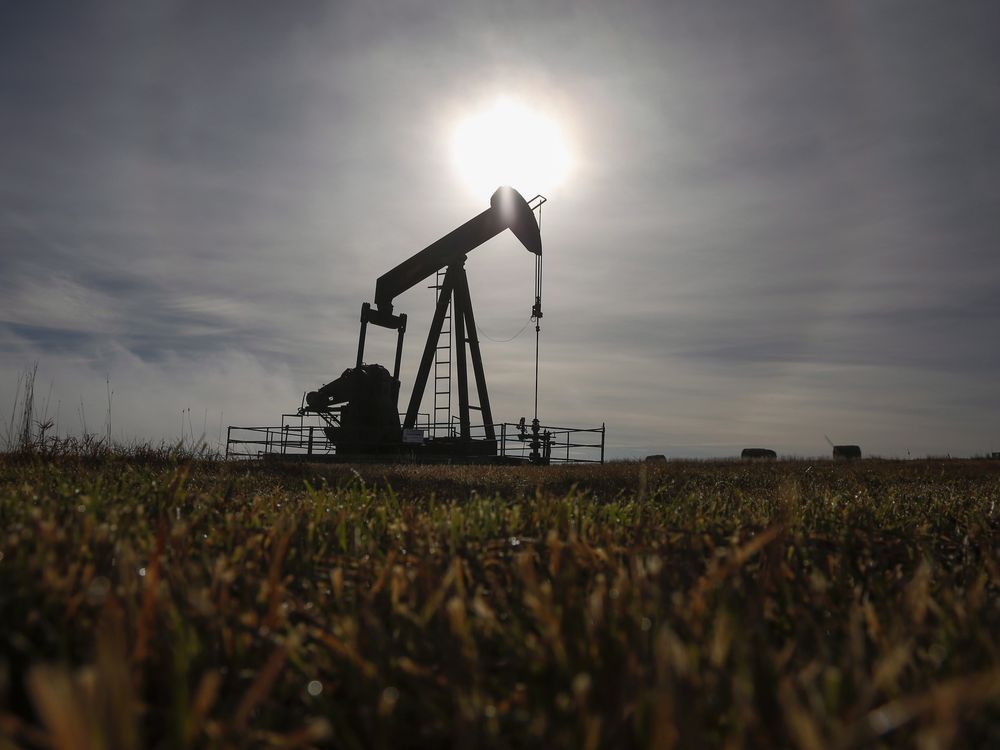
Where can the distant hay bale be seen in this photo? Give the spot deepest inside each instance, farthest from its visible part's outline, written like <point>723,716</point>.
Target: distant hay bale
<point>766,453</point>
<point>995,454</point>
<point>847,451</point>
<point>656,458</point>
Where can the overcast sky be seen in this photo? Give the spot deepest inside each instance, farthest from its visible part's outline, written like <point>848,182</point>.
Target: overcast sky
<point>781,222</point>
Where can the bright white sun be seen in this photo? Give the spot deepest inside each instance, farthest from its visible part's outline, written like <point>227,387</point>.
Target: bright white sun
<point>509,143</point>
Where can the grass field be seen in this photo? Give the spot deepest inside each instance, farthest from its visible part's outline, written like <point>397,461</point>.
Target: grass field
<point>155,602</point>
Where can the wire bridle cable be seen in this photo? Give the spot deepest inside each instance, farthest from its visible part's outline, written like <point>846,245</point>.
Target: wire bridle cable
<point>504,341</point>
<point>538,302</point>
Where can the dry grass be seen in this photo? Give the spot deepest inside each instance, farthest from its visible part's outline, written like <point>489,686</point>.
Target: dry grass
<point>150,601</point>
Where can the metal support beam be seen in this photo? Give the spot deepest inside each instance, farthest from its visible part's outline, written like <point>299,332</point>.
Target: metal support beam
<point>399,356</point>
<point>458,313</point>
<point>465,302</point>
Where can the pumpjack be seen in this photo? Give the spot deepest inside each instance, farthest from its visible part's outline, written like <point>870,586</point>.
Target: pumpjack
<point>360,408</point>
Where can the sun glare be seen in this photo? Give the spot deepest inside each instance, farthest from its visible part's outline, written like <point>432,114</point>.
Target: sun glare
<point>509,143</point>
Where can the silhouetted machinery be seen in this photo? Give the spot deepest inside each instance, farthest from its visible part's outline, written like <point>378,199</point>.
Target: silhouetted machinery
<point>360,408</point>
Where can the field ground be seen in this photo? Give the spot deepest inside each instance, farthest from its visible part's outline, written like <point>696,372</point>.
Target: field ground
<point>151,602</point>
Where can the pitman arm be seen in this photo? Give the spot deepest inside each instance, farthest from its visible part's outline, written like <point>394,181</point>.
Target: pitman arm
<point>508,210</point>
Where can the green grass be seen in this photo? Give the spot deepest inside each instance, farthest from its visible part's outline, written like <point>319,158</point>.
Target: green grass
<point>149,601</point>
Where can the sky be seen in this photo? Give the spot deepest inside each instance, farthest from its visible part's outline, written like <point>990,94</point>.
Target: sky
<point>780,221</point>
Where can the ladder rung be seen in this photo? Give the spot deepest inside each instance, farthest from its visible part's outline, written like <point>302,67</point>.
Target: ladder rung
<point>477,408</point>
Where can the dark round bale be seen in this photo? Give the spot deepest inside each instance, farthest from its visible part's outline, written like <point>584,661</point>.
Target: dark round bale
<point>758,453</point>
<point>847,451</point>
<point>656,458</point>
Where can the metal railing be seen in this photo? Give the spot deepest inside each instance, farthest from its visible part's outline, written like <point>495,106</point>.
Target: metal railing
<point>304,436</point>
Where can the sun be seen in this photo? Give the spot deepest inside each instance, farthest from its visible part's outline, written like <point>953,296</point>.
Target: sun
<point>510,143</point>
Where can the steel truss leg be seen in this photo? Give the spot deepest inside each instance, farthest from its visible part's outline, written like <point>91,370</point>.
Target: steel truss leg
<point>458,313</point>
<point>465,303</point>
